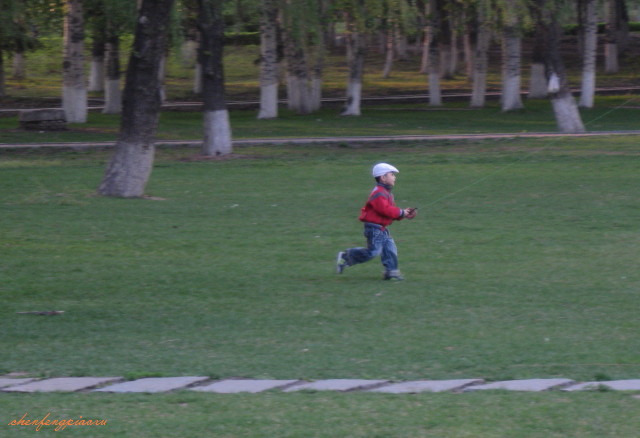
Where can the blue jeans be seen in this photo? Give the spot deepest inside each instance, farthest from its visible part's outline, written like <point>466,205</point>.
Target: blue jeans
<point>379,242</point>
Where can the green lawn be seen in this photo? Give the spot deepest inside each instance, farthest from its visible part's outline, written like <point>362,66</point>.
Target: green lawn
<point>522,263</point>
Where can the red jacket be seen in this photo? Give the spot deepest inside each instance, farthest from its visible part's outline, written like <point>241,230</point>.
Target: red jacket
<point>380,207</point>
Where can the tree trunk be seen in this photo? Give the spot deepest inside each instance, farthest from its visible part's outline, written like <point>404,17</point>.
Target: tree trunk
<point>355,55</point>
<point>19,70</point>
<point>389,51</point>
<point>564,105</point>
<point>130,167</point>
<point>537,79</point>
<point>269,60</point>
<point>315,87</point>
<point>2,80</point>
<point>468,45</point>
<point>74,96</point>
<point>611,38</point>
<point>589,52</point>
<point>96,72</point>
<point>511,56</point>
<point>217,130</point>
<point>424,60</point>
<point>113,95</point>
<point>435,94</point>
<point>481,60</point>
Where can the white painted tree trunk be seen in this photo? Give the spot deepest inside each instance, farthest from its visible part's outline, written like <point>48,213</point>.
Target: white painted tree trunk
<point>162,73</point>
<point>315,93</point>
<point>435,92</point>
<point>269,64</point>
<point>355,59</point>
<point>113,97</point>
<point>96,75</point>
<point>217,133</point>
<point>354,97</point>
<point>537,81</point>
<point>112,94</point>
<point>590,45</point>
<point>611,58</point>
<point>197,78</point>
<point>567,114</point>
<point>268,101</point>
<point>74,90</point>
<point>480,62</point>
<point>511,60</point>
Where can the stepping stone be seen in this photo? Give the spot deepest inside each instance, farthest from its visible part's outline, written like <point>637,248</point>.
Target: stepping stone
<point>616,385</point>
<point>153,384</point>
<point>63,384</point>
<point>533,385</point>
<point>336,385</point>
<point>427,386</point>
<point>232,386</point>
<point>8,381</point>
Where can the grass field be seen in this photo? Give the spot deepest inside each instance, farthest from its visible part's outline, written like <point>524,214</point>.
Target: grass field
<point>521,264</point>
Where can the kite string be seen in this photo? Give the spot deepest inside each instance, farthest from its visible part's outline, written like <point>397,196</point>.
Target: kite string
<point>506,166</point>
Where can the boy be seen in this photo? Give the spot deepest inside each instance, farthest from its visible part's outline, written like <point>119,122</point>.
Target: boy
<point>377,214</point>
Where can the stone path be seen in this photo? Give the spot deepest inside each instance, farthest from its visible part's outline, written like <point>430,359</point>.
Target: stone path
<point>14,384</point>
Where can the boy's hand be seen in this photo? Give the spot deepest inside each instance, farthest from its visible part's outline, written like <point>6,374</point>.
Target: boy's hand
<point>410,213</point>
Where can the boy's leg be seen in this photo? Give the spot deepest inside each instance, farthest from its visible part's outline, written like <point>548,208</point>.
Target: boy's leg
<point>389,259</point>
<point>353,256</point>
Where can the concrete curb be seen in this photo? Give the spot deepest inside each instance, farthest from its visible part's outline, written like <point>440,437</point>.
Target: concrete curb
<point>253,386</point>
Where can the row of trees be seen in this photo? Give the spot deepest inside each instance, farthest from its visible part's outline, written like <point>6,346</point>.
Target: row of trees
<point>295,36</point>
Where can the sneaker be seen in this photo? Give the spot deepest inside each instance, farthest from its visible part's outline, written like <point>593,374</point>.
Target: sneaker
<point>341,262</point>
<point>393,276</point>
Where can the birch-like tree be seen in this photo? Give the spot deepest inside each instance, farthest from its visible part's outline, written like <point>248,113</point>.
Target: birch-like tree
<point>269,59</point>
<point>304,51</point>
<point>511,55</point>
<point>537,78</point>
<point>355,14</point>
<point>481,53</point>
<point>435,14</point>
<point>217,128</point>
<point>130,166</point>
<point>611,37</point>
<point>564,105</point>
<point>589,34</point>
<point>74,92</point>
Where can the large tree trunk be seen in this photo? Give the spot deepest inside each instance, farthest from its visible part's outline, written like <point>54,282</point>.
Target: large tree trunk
<point>481,60</point>
<point>112,92</point>
<point>355,58</point>
<point>217,129</point>
<point>511,60</point>
<point>589,52</point>
<point>269,60</point>
<point>564,105</point>
<point>130,167</point>
<point>74,95</point>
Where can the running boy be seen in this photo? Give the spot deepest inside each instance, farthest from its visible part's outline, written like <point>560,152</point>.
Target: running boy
<point>377,214</point>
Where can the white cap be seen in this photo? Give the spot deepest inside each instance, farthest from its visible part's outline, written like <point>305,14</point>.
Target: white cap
<point>382,169</point>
